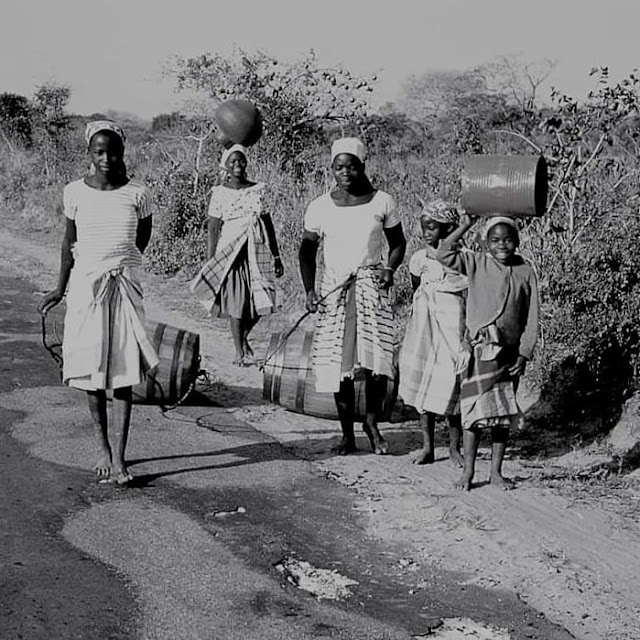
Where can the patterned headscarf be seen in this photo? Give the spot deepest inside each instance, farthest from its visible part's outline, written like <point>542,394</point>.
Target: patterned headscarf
<point>354,146</point>
<point>102,125</point>
<point>496,220</point>
<point>441,211</point>
<point>226,154</point>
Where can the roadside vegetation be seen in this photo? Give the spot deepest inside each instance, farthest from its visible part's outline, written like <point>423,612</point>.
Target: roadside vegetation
<point>584,249</point>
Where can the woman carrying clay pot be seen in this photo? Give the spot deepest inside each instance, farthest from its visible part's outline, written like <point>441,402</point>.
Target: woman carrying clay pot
<point>237,281</point>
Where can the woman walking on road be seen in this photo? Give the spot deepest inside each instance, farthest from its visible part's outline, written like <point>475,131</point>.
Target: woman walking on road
<point>105,345</point>
<point>242,253</point>
<point>355,329</point>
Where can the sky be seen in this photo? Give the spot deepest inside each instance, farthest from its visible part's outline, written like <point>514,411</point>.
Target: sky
<point>112,54</point>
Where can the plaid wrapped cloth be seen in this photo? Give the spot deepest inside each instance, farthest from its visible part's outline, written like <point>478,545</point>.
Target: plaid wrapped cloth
<point>105,343</point>
<point>355,330</point>
<point>431,347</point>
<point>207,283</point>
<point>488,394</point>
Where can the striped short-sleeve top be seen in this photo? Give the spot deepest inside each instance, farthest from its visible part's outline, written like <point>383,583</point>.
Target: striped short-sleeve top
<point>106,223</point>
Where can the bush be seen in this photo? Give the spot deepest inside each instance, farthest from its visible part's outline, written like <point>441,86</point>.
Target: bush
<point>179,240</point>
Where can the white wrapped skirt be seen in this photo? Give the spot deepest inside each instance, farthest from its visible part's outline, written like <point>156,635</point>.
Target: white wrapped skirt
<point>105,345</point>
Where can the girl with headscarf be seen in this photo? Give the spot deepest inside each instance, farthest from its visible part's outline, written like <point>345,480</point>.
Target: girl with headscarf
<point>355,329</point>
<point>501,331</point>
<point>431,345</point>
<point>105,345</point>
<point>237,281</point>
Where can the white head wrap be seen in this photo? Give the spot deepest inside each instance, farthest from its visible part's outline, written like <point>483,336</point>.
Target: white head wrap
<point>496,220</point>
<point>441,211</point>
<point>226,154</point>
<point>354,146</point>
<point>102,125</point>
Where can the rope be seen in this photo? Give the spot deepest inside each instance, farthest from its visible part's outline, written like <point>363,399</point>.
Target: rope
<point>201,374</point>
<point>346,283</point>
<point>51,348</point>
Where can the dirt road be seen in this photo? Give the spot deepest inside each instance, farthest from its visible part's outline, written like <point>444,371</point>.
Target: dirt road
<point>234,499</point>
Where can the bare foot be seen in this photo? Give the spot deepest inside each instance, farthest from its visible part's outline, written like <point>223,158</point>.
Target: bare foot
<point>381,447</point>
<point>378,444</point>
<point>464,483</point>
<point>424,456</point>
<point>248,351</point>
<point>456,458</point>
<point>497,480</point>
<point>121,477</point>
<point>346,446</point>
<point>102,467</point>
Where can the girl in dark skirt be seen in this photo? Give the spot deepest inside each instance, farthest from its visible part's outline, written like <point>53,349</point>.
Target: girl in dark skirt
<point>237,281</point>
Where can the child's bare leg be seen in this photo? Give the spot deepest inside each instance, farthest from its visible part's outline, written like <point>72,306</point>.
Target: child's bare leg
<point>98,409</point>
<point>345,404</point>
<point>375,388</point>
<point>455,436</point>
<point>247,325</point>
<point>121,418</point>
<point>470,441</point>
<point>499,437</point>
<point>238,338</point>
<point>428,426</point>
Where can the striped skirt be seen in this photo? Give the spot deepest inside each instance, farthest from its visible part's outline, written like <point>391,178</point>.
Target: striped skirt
<point>488,394</point>
<point>355,331</point>
<point>430,352</point>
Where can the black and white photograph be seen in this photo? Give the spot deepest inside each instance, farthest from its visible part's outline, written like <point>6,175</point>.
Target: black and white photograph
<point>320,320</point>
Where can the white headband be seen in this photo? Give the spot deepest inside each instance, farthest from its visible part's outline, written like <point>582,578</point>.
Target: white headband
<point>102,125</point>
<point>354,146</point>
<point>226,154</point>
<point>496,220</point>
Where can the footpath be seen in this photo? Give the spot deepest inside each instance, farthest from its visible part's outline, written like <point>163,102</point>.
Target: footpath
<point>568,554</point>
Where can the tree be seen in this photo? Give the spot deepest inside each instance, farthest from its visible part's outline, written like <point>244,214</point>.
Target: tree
<point>15,119</point>
<point>456,108</point>
<point>295,99</point>
<point>167,121</point>
<point>432,95</point>
<point>50,102</point>
<point>517,79</point>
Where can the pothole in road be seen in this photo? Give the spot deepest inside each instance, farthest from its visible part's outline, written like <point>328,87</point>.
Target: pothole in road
<point>324,584</point>
<point>462,628</point>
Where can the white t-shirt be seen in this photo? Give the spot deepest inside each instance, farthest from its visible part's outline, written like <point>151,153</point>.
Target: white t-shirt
<point>423,265</point>
<point>106,223</point>
<point>352,236</point>
<point>234,206</point>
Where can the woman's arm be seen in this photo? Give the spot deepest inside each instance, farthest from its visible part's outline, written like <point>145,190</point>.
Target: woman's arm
<point>307,257</point>
<point>143,232</point>
<point>273,244</point>
<point>66,263</point>
<point>213,235</point>
<point>397,247</point>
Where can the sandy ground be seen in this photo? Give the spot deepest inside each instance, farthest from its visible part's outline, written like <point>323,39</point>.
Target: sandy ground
<point>567,547</point>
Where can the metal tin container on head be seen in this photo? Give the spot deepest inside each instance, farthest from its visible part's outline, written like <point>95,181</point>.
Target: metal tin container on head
<point>504,185</point>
